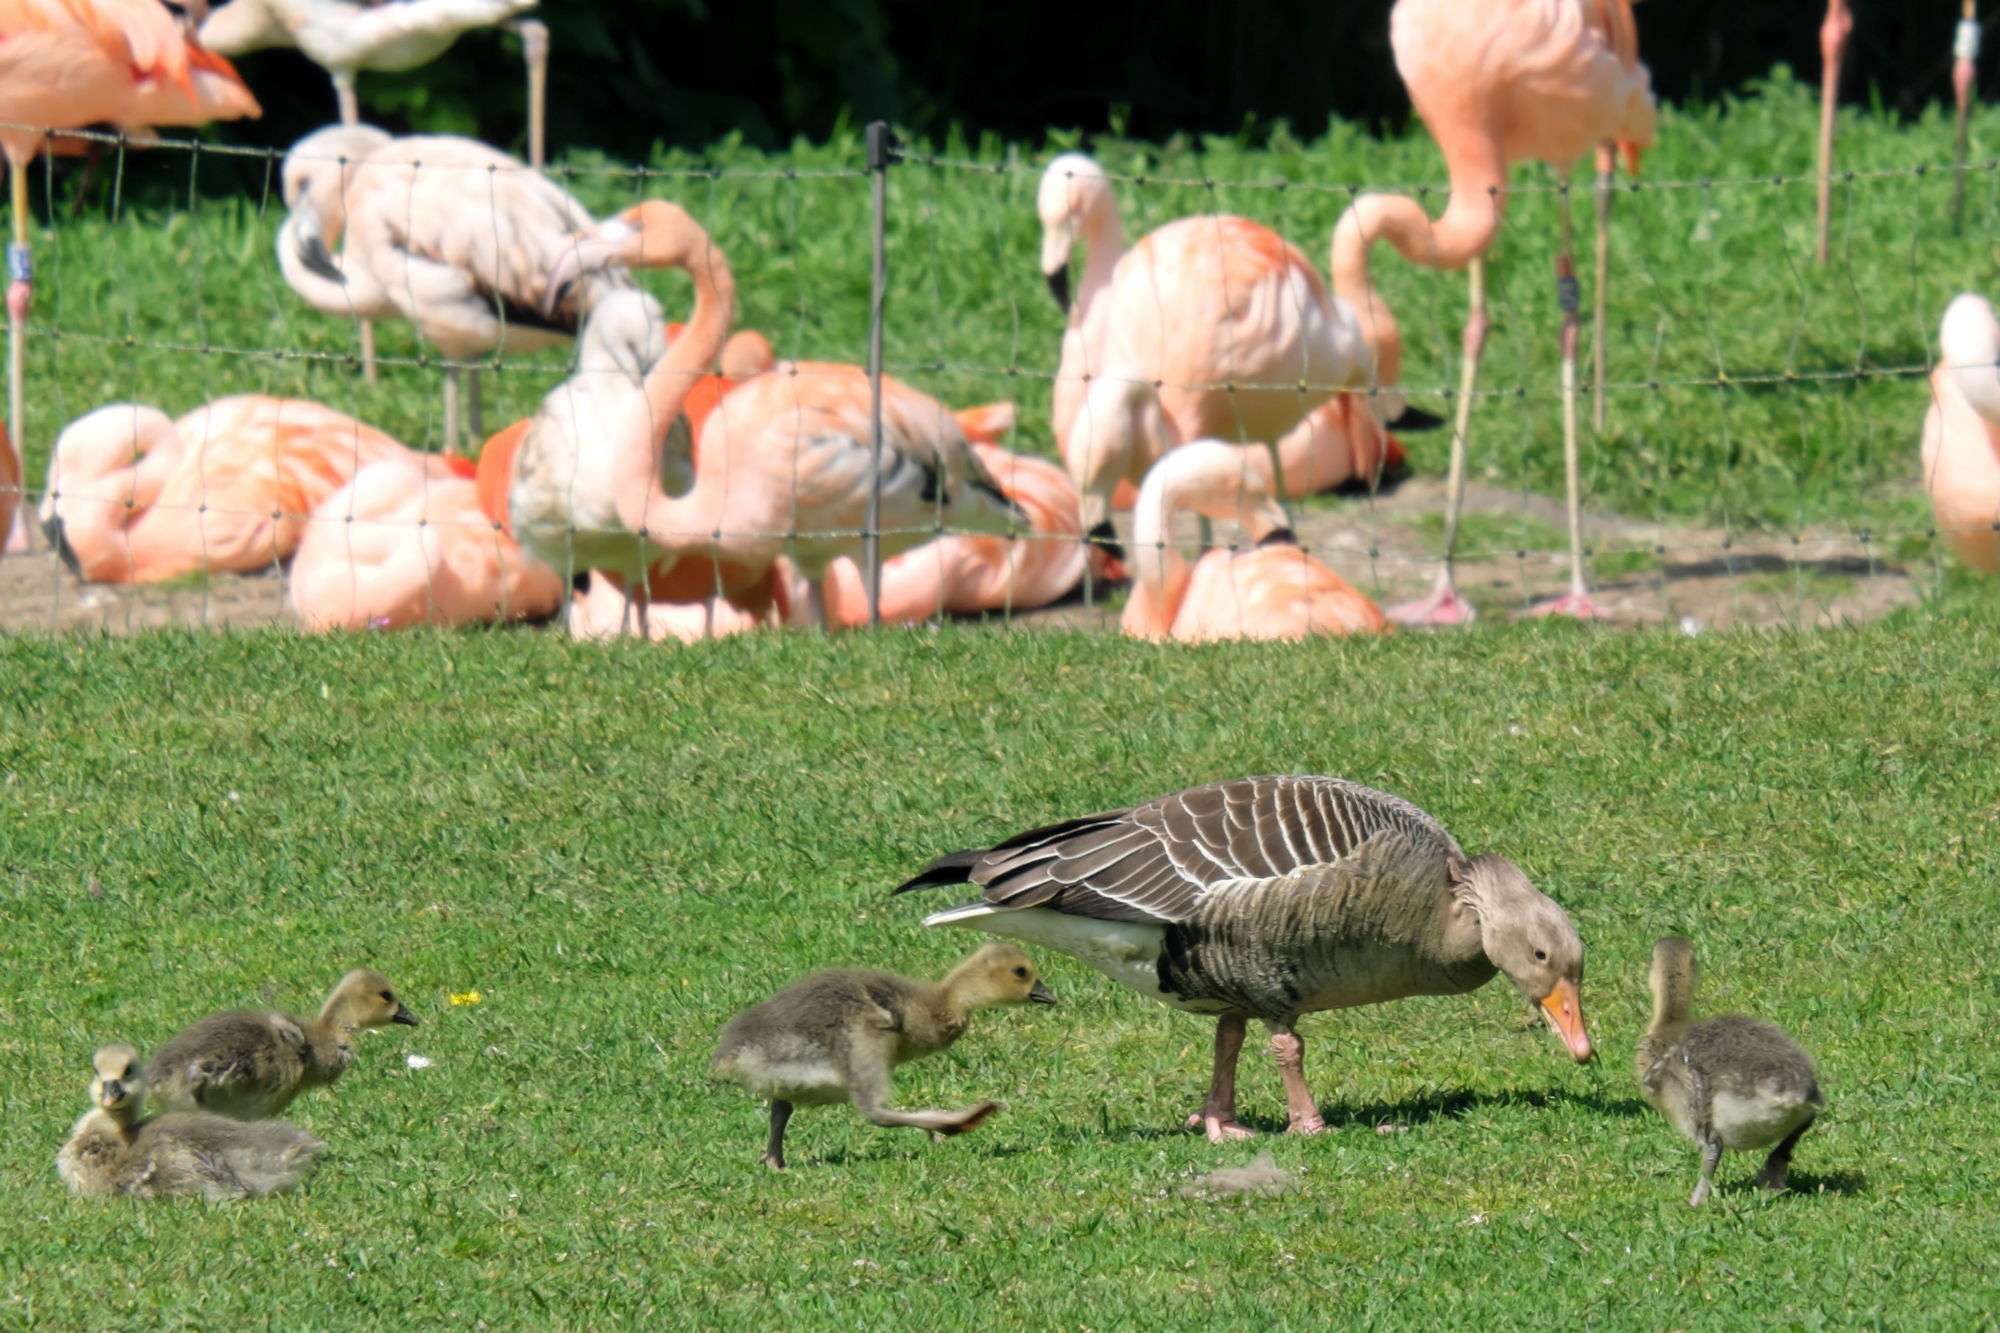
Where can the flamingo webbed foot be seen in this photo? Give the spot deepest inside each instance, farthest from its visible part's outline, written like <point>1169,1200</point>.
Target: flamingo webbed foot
<point>1576,605</point>
<point>1444,607</point>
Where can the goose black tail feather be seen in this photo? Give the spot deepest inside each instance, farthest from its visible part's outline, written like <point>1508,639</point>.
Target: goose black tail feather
<point>954,868</point>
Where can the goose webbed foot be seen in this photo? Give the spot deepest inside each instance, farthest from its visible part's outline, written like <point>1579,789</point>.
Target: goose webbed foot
<point>1290,1050</point>
<point>1778,1166</point>
<point>1218,1111</point>
<point>1220,1124</point>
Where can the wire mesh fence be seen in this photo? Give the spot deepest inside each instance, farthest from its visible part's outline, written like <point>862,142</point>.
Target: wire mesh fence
<point>1757,458</point>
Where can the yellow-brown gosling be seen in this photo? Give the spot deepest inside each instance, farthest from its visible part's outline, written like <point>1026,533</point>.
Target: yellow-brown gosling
<point>1728,1082</point>
<point>838,1036</point>
<point>112,1151</point>
<point>249,1063</point>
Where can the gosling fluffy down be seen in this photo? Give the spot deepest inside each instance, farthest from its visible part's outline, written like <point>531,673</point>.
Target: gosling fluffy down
<point>1728,1082</point>
<point>111,1151</point>
<point>838,1036</point>
<point>250,1063</point>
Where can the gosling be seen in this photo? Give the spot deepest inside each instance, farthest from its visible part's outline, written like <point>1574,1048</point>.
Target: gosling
<point>838,1036</point>
<point>111,1151</point>
<point>1728,1082</point>
<point>248,1064</point>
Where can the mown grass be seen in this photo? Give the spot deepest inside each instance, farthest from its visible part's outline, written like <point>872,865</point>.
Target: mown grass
<point>1755,388</point>
<point>616,847</point>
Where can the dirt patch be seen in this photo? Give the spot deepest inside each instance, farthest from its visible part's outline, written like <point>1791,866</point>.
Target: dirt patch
<point>1514,553</point>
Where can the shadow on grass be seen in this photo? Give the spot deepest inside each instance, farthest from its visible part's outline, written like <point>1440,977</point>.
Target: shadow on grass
<point>1408,1113</point>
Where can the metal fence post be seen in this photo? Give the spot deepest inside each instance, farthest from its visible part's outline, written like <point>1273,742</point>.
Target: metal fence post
<point>882,146</point>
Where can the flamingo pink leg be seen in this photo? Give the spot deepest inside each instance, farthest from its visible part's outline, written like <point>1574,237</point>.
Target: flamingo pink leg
<point>1290,1049</point>
<point>1577,602</point>
<point>1218,1112</point>
<point>1444,606</point>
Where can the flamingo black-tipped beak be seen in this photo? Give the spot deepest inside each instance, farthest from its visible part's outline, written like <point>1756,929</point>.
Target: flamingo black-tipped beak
<point>404,1016</point>
<point>1564,1008</point>
<point>1059,287</point>
<point>1105,538</point>
<point>52,528</point>
<point>1041,994</point>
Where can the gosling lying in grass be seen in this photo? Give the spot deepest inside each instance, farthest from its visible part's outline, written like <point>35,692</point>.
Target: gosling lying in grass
<point>838,1036</point>
<point>1728,1082</point>
<point>249,1063</point>
<point>112,1151</point>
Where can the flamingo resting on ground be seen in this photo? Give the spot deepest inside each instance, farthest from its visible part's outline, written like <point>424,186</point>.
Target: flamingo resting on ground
<point>1961,447</point>
<point>782,466</point>
<point>969,575</point>
<point>343,38</point>
<point>452,235</point>
<point>406,543</point>
<point>1209,326</point>
<point>1273,591</point>
<point>134,497</point>
<point>1496,82</point>
<point>71,63</point>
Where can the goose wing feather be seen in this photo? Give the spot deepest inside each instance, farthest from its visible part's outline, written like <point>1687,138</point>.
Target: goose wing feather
<point>1154,863</point>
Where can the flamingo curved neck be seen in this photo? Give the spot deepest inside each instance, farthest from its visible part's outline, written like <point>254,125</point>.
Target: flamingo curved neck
<point>1104,234</point>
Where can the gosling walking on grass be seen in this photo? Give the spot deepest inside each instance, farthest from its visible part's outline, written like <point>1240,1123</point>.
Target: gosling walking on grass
<point>838,1036</point>
<point>249,1063</point>
<point>112,1151</point>
<point>1728,1082</point>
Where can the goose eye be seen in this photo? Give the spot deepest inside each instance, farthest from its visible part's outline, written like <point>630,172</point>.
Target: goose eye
<point>1541,957</point>
<point>1021,972</point>
<point>388,997</point>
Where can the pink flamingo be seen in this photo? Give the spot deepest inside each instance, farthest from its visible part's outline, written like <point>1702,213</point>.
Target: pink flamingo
<point>1274,591</point>
<point>406,543</point>
<point>133,497</point>
<point>783,463</point>
<point>1209,326</point>
<point>71,63</point>
<point>445,232</point>
<point>967,575</point>
<point>1497,82</point>
<point>1961,444</point>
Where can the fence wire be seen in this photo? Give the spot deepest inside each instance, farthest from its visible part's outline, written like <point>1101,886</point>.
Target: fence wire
<point>1762,411</point>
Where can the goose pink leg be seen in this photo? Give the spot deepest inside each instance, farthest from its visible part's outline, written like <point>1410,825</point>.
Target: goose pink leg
<point>1290,1049</point>
<point>1218,1114</point>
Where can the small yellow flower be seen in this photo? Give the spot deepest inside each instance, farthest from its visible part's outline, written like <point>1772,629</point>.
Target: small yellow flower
<point>465,998</point>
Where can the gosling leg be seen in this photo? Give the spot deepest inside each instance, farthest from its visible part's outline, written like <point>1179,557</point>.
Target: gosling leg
<point>1218,1113</point>
<point>1779,1164</point>
<point>1711,1156</point>
<point>774,1149</point>
<point>940,1125</point>
<point>1290,1050</point>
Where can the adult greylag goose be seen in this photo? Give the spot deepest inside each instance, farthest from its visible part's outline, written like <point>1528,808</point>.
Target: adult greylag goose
<point>249,1063</point>
<point>1271,898</point>
<point>1726,1082</point>
<point>838,1036</point>
<point>112,1151</point>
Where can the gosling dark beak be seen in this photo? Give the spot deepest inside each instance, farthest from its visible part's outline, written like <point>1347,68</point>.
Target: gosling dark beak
<point>114,1093</point>
<point>1041,995</point>
<point>1059,287</point>
<point>403,1015</point>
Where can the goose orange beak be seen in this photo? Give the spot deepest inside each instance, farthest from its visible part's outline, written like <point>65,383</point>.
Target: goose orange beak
<point>1564,1007</point>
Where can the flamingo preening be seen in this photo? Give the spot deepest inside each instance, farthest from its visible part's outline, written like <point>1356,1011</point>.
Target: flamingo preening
<point>782,465</point>
<point>1274,590</point>
<point>1496,82</point>
<point>65,64</point>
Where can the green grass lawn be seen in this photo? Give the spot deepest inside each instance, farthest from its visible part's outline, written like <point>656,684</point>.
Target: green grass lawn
<point>617,847</point>
<point>1752,387</point>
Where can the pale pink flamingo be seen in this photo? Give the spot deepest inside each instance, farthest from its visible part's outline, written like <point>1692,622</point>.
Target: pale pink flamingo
<point>452,235</point>
<point>344,38</point>
<point>406,543</point>
<point>1833,34</point>
<point>1273,591</point>
<point>1209,326</point>
<point>783,463</point>
<point>134,497</point>
<point>1961,444</point>
<point>968,575</point>
<point>1496,82</point>
<point>65,64</point>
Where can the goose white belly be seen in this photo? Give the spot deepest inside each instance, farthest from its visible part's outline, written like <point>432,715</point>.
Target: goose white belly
<point>1126,951</point>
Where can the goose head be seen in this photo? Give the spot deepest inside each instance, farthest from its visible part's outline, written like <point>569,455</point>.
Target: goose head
<point>118,1083</point>
<point>998,974</point>
<point>1529,938</point>
<point>365,999</point>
